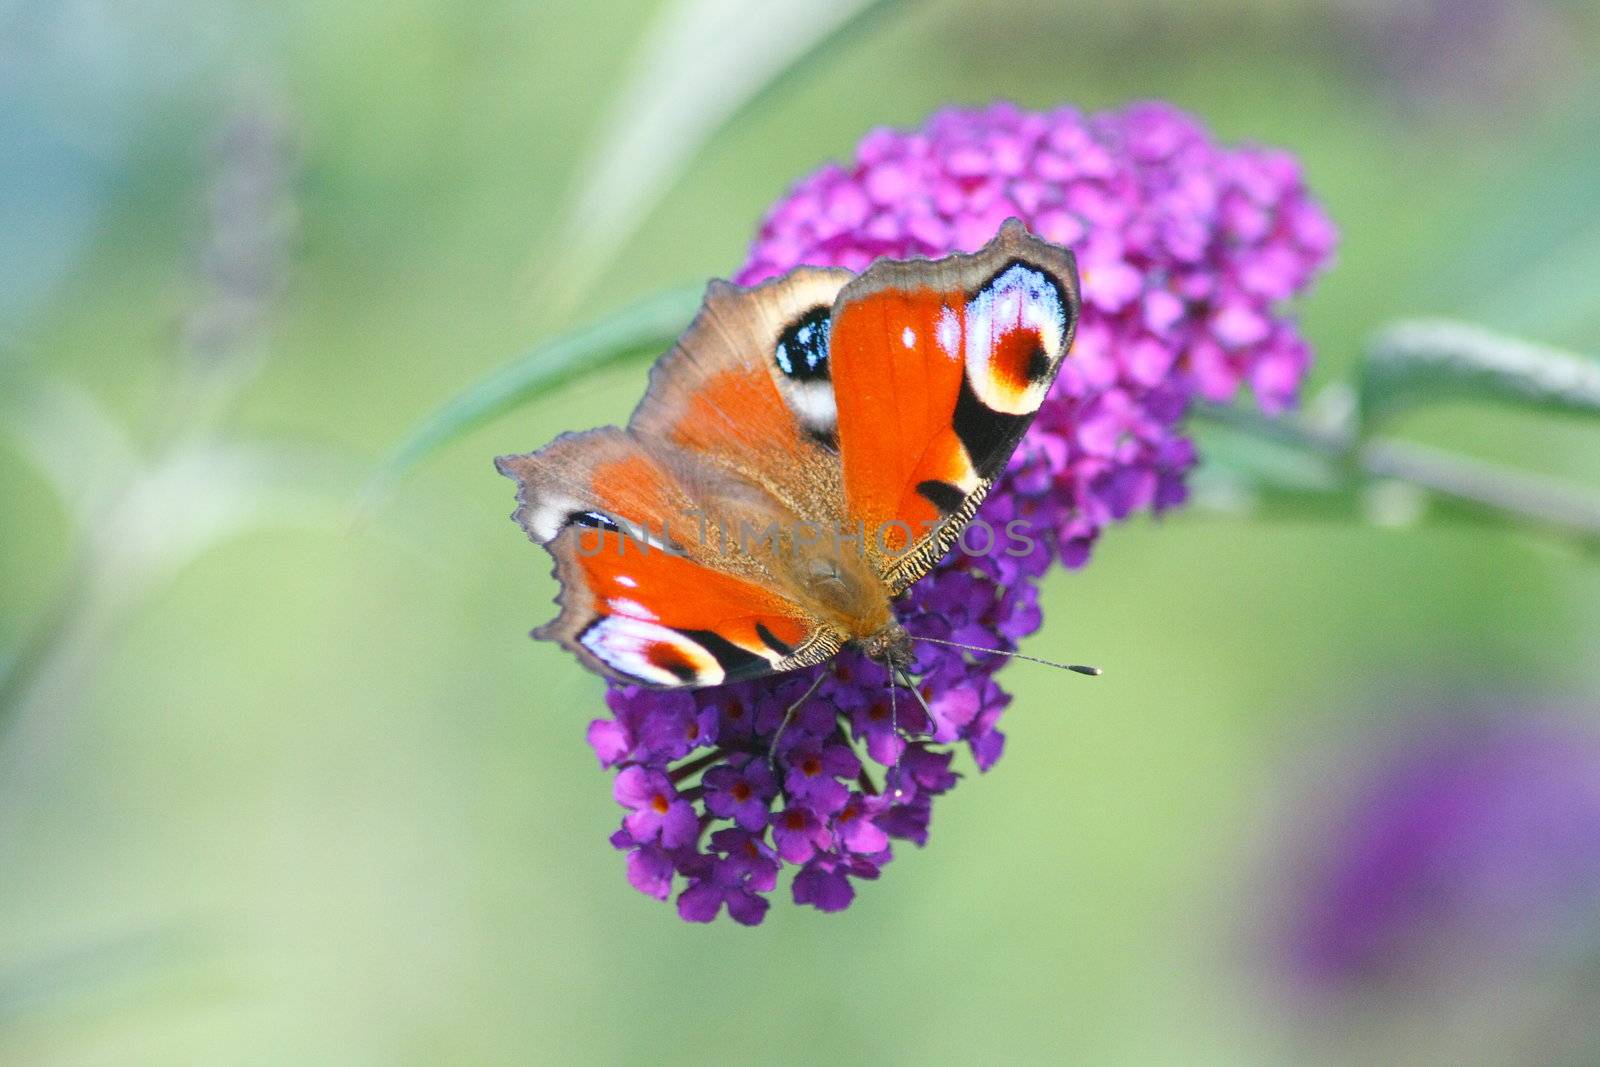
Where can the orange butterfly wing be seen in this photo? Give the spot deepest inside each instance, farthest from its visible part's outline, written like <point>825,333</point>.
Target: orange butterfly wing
<point>722,396</point>
<point>722,438</point>
<point>938,368</point>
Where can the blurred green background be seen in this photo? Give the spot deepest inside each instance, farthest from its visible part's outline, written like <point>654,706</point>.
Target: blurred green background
<point>312,796</point>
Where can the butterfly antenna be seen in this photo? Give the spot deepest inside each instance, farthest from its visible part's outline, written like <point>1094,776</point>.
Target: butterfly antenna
<point>772,749</point>
<point>1076,668</point>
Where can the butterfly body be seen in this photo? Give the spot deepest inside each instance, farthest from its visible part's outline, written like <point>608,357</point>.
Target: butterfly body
<point>808,449</point>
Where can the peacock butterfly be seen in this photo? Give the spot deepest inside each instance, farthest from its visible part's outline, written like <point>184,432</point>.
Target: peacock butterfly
<point>807,450</point>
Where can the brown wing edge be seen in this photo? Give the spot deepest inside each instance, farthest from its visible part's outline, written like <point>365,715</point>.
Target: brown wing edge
<point>967,270</point>
<point>528,471</point>
<point>702,332</point>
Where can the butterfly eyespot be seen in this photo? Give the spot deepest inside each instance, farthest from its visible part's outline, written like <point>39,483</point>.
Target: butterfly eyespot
<point>984,432</point>
<point>669,658</point>
<point>593,520</point>
<point>1037,365</point>
<point>648,652</point>
<point>1015,327</point>
<point>805,377</point>
<point>802,349</point>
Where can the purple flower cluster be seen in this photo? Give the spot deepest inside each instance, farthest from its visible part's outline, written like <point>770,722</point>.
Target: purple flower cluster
<point>1187,251</point>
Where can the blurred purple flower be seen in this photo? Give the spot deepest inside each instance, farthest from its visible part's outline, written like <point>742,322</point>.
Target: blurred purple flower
<point>1187,250</point>
<point>1474,841</point>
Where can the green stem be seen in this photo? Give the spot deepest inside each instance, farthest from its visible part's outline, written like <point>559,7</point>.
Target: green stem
<point>1504,493</point>
<point>1514,493</point>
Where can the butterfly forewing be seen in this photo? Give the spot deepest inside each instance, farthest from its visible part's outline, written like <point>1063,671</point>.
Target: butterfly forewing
<point>938,369</point>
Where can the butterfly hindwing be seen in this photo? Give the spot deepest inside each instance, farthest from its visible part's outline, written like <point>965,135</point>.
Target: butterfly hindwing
<point>938,369</point>
<point>642,598</point>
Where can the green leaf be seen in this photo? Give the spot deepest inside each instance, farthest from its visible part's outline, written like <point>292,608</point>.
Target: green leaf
<point>702,65</point>
<point>1426,360</point>
<point>640,328</point>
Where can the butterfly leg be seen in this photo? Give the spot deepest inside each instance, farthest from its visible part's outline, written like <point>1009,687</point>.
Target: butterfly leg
<point>894,722</point>
<point>905,680</point>
<point>772,749</point>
